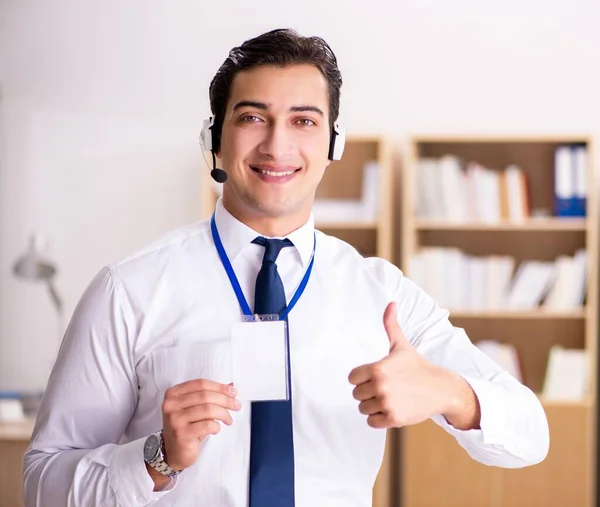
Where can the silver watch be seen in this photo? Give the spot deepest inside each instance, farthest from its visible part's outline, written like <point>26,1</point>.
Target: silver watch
<point>154,455</point>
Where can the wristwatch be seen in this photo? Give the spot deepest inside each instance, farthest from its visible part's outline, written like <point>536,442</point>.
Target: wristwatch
<point>154,455</point>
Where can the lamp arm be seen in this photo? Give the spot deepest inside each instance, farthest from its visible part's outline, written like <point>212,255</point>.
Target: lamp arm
<point>54,295</point>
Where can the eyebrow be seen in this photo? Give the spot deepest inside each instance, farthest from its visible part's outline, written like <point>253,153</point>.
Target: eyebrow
<point>265,107</point>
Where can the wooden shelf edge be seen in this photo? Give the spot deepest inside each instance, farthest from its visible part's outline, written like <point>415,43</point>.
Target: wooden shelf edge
<point>17,430</point>
<point>499,137</point>
<point>519,314</point>
<point>585,402</point>
<point>547,224</point>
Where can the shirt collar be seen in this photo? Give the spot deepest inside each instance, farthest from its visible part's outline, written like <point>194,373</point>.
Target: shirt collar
<point>235,235</point>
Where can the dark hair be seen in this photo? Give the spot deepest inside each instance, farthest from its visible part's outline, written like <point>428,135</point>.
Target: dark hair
<point>281,47</point>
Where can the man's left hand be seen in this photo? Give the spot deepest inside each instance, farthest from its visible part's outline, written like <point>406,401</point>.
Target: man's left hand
<point>403,388</point>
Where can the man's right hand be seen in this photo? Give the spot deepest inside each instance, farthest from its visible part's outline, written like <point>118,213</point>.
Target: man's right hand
<point>192,411</point>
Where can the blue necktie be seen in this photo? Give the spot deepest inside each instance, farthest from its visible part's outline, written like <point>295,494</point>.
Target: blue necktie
<point>271,436</point>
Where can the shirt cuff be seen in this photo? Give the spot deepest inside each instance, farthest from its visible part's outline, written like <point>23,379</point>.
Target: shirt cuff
<point>492,411</point>
<point>129,477</point>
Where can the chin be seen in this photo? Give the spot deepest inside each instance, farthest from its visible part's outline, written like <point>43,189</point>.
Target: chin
<point>275,209</point>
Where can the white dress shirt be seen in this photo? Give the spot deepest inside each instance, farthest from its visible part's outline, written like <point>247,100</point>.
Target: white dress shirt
<point>163,316</point>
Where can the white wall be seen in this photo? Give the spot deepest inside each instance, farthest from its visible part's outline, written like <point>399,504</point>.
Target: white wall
<point>103,101</point>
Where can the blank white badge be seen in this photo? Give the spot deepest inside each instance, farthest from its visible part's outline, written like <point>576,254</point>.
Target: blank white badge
<point>259,360</point>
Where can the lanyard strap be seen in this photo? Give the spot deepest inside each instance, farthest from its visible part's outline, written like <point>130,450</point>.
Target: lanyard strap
<point>236,285</point>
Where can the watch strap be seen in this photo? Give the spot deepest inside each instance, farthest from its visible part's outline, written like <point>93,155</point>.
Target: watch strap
<point>159,464</point>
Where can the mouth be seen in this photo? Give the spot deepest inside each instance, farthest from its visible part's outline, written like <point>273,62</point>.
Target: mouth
<point>275,174</point>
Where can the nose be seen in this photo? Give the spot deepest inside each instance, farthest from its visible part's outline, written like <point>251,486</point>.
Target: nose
<point>277,143</point>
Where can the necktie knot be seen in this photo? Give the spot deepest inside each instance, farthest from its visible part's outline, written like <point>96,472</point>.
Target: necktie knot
<point>272,247</point>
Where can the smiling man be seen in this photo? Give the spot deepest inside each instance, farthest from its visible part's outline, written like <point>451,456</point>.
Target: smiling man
<point>141,409</point>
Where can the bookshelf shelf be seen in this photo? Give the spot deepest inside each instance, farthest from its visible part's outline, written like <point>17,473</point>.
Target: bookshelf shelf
<point>585,402</point>
<point>518,314</point>
<point>463,178</point>
<point>546,224</point>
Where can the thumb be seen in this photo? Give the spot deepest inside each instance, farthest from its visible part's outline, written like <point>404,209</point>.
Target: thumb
<point>395,334</point>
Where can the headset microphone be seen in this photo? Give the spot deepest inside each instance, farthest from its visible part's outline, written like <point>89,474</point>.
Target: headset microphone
<point>217,174</point>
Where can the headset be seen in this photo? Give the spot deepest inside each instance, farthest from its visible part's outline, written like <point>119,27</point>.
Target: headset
<point>210,140</point>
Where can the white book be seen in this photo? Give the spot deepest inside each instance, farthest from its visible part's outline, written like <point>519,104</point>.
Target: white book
<point>416,270</point>
<point>580,163</point>
<point>499,272</point>
<point>338,210</point>
<point>472,199</point>
<point>477,270</point>
<point>433,276</point>
<point>481,186</point>
<point>370,190</point>
<point>453,278</point>
<point>530,285</point>
<point>453,189</point>
<point>432,190</point>
<point>563,174</point>
<point>578,287</point>
<point>493,196</point>
<point>503,354</point>
<point>566,374</point>
<point>558,295</point>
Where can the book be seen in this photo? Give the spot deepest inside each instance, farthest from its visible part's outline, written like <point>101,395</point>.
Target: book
<point>460,281</point>
<point>461,191</point>
<point>566,376</point>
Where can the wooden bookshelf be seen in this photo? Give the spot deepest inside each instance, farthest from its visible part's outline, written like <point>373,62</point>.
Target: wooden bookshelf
<point>429,456</point>
<point>343,180</point>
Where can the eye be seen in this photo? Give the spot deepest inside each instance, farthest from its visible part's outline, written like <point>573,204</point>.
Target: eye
<point>305,122</point>
<point>250,118</point>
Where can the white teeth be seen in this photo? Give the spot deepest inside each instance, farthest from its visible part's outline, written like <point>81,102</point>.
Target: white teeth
<point>271,173</point>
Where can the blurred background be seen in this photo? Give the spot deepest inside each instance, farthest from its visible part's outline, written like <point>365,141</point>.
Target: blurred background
<point>100,109</point>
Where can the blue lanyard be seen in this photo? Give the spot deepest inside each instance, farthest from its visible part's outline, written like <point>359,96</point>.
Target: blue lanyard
<point>236,285</point>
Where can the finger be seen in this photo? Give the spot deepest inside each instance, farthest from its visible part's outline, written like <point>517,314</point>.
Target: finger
<point>361,374</point>
<point>364,391</point>
<point>378,421</point>
<point>369,407</point>
<point>201,385</point>
<point>201,413</point>
<point>201,429</point>
<point>202,397</point>
<point>392,328</point>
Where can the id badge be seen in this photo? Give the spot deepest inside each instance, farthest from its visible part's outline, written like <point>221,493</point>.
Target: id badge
<point>259,358</point>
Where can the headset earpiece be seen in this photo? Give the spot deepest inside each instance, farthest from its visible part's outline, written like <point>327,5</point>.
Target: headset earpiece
<point>337,142</point>
<point>209,140</point>
<point>207,135</point>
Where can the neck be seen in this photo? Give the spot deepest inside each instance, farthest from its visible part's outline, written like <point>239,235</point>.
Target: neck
<point>271,227</point>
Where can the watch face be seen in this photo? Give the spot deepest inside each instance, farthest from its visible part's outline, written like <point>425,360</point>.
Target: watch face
<point>151,447</point>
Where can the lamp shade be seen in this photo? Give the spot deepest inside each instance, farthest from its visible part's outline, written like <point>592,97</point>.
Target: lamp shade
<point>32,266</point>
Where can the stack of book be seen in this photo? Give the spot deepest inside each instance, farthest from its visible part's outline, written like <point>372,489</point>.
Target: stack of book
<point>459,281</point>
<point>567,370</point>
<point>460,191</point>
<point>450,189</point>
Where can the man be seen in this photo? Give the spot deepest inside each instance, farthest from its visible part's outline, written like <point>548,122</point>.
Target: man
<point>140,408</point>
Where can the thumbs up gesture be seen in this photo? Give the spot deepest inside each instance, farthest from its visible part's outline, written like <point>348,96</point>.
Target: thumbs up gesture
<point>403,388</point>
